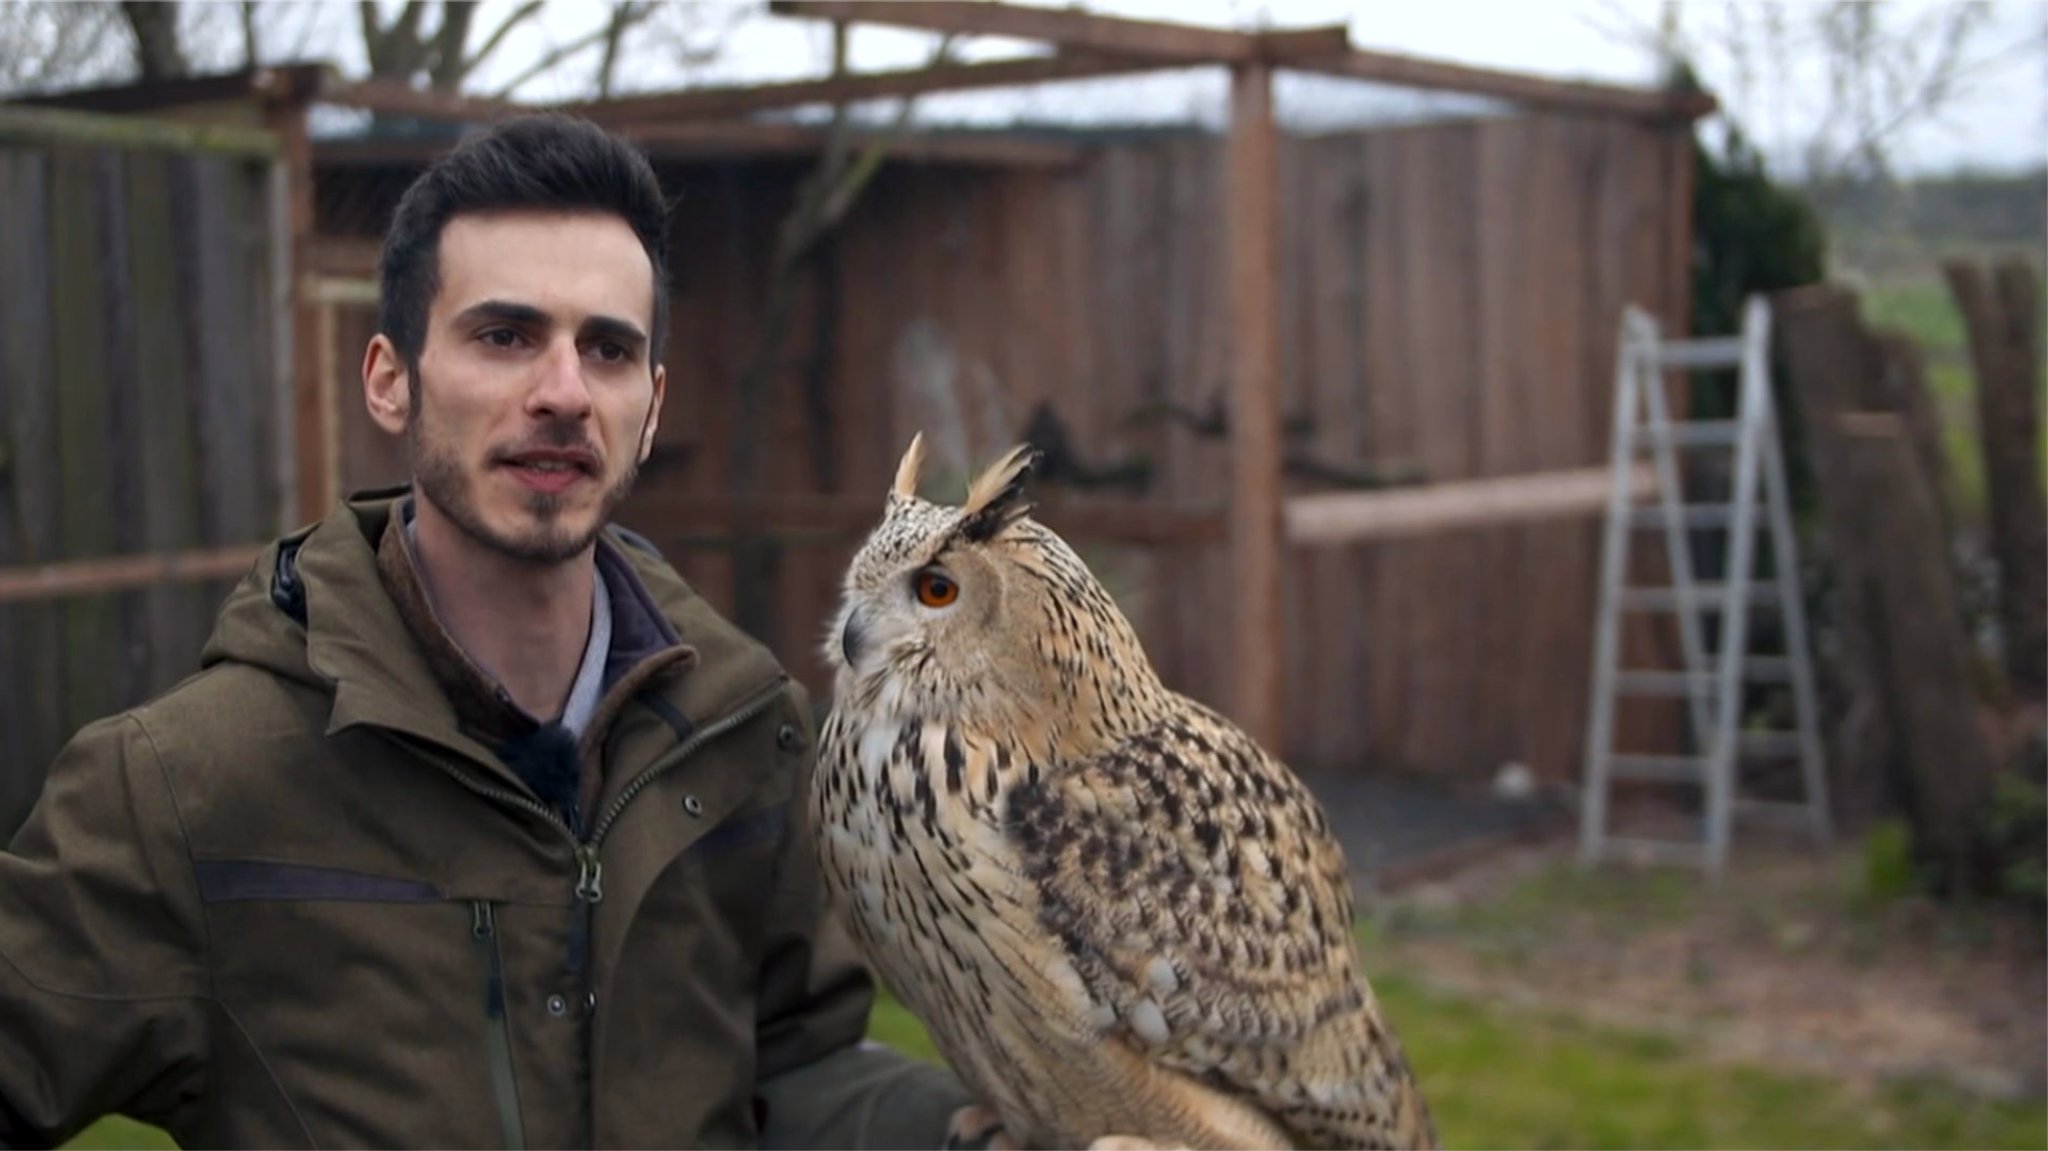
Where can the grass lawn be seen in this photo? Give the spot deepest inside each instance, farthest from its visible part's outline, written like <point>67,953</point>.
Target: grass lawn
<point>1502,1077</point>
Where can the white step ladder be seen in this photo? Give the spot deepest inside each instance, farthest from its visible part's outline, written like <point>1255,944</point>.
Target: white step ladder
<point>1712,685</point>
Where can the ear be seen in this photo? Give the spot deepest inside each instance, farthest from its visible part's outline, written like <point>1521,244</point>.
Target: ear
<point>995,499</point>
<point>654,412</point>
<point>387,385</point>
<point>907,469</point>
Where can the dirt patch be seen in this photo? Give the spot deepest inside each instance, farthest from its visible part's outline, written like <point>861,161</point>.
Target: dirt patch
<point>1784,962</point>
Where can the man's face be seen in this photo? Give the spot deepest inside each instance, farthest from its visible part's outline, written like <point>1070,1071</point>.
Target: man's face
<point>534,402</point>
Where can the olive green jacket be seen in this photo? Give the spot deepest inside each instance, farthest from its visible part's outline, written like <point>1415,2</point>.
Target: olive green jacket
<point>294,902</point>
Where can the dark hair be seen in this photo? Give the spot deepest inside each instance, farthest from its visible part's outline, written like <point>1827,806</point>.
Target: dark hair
<point>543,162</point>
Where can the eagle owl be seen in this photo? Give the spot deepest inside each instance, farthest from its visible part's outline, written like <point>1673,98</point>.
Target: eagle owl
<point>1118,917</point>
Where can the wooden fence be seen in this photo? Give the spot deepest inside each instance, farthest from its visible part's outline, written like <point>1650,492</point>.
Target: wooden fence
<point>140,358</point>
<point>1451,294</point>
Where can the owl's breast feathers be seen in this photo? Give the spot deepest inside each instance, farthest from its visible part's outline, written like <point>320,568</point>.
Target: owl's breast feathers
<point>1178,892</point>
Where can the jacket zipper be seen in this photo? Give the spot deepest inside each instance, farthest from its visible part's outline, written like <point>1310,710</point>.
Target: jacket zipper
<point>497,1031</point>
<point>589,878</point>
<point>589,868</point>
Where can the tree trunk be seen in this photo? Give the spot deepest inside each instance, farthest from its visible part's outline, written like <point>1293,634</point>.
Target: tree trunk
<point>2003,318</point>
<point>158,53</point>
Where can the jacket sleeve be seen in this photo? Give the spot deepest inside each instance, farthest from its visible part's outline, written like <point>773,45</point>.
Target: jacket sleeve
<point>102,975</point>
<point>820,1085</point>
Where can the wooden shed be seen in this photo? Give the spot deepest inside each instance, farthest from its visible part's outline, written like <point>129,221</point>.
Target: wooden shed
<point>1208,323</point>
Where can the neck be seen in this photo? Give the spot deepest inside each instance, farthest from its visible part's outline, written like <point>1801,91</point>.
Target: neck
<point>525,623</point>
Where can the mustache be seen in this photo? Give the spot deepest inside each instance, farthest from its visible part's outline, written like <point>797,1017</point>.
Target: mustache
<point>554,436</point>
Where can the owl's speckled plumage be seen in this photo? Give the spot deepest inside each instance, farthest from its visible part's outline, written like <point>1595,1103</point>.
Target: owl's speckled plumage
<point>1116,914</point>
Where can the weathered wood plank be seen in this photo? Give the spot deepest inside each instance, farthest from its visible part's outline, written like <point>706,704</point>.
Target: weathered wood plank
<point>32,659</point>
<point>126,664</point>
<point>81,371</point>
<point>213,200</point>
<point>63,127</point>
<point>166,454</point>
<point>1258,701</point>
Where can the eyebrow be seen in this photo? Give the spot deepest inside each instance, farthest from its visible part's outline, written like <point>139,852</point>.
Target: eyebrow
<point>594,327</point>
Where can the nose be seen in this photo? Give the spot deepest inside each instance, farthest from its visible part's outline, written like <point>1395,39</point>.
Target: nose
<point>851,638</point>
<point>560,390</point>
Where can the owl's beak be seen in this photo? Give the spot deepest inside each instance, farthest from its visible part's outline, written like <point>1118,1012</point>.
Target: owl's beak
<point>851,638</point>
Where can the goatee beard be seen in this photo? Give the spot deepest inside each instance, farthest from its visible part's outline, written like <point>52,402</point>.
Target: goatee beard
<point>438,476</point>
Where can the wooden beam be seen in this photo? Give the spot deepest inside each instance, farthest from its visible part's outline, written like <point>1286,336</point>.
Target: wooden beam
<point>158,95</point>
<point>743,99</point>
<point>1258,631</point>
<point>1354,517</point>
<point>395,99</point>
<point>85,129</point>
<point>123,573</point>
<point>1529,91</point>
<point>709,139</point>
<point>1148,39</point>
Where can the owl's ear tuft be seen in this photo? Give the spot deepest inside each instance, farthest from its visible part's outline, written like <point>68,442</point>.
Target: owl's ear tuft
<point>908,468</point>
<point>995,499</point>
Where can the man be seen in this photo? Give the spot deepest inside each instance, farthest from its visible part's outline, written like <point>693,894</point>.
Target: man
<point>478,826</point>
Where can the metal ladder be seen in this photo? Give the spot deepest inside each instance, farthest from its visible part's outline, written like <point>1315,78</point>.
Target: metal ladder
<point>1712,685</point>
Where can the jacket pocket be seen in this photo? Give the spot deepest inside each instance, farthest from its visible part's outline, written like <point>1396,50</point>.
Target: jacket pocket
<point>497,1031</point>
<point>247,880</point>
<point>747,829</point>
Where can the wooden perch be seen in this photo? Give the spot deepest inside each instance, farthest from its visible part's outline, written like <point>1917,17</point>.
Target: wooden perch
<point>1355,517</point>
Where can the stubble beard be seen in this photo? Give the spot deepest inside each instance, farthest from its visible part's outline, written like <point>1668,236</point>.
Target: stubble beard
<point>439,477</point>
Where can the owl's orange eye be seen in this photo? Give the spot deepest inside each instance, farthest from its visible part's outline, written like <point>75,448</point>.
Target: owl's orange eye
<point>935,588</point>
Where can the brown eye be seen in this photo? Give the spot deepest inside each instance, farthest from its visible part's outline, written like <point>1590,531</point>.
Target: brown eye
<point>935,588</point>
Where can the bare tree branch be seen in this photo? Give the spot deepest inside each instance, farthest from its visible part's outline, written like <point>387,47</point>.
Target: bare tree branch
<point>491,42</point>
<point>446,64</point>
<point>553,59</point>
<point>625,15</point>
<point>252,53</point>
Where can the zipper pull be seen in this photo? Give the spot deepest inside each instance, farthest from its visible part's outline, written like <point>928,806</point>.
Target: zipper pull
<point>481,924</point>
<point>589,874</point>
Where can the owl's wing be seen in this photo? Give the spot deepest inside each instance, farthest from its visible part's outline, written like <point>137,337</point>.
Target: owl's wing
<point>1195,886</point>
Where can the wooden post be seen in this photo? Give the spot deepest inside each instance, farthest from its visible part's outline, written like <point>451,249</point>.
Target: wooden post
<point>2003,318</point>
<point>1826,359</point>
<point>1257,629</point>
<point>313,417</point>
<point>1912,739</point>
<point>1926,657</point>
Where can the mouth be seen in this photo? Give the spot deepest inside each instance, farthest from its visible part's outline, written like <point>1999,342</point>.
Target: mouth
<point>549,469</point>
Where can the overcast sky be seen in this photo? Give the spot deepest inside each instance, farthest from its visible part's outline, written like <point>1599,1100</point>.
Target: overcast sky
<point>1999,119</point>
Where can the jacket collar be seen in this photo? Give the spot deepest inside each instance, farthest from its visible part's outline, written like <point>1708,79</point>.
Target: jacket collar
<point>358,640</point>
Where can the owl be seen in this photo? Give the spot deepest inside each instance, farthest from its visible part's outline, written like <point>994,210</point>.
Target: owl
<point>1121,921</point>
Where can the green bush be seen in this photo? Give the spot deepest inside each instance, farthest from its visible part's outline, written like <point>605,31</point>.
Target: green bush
<point>1888,871</point>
